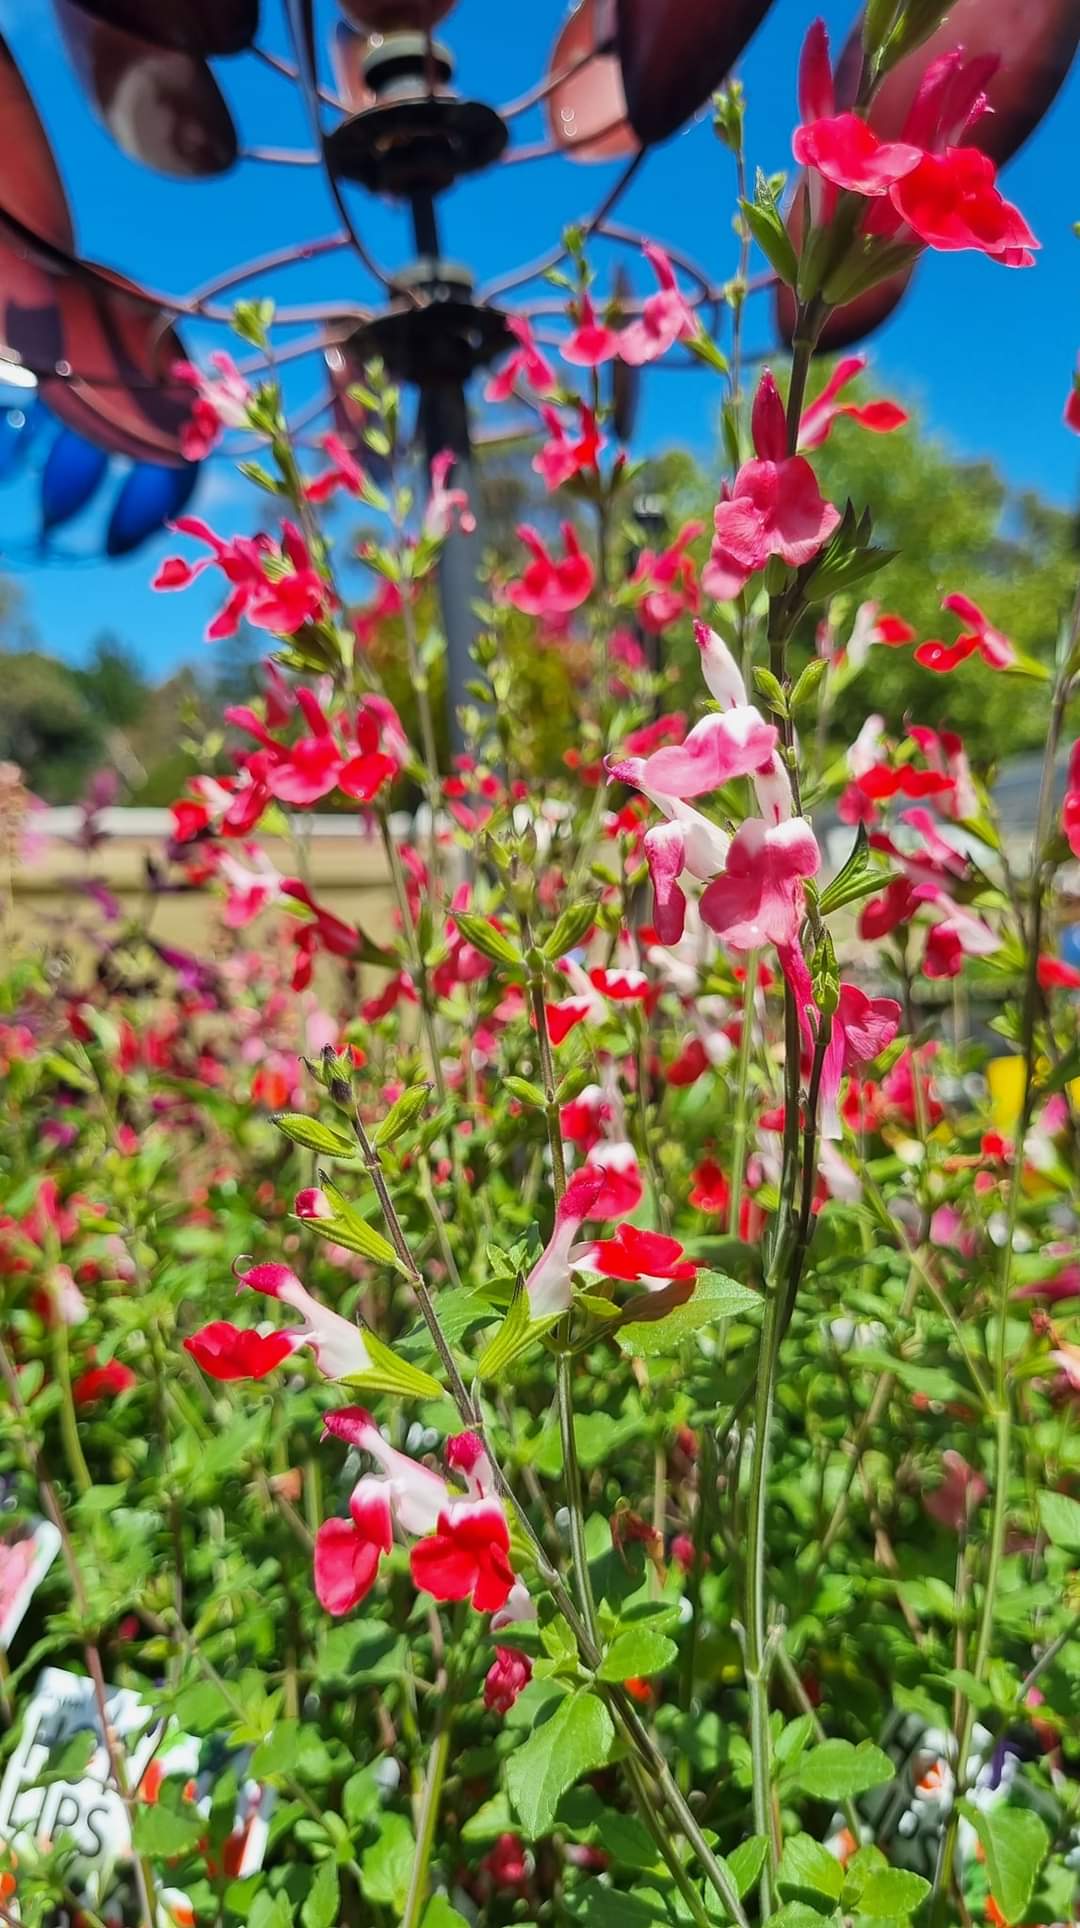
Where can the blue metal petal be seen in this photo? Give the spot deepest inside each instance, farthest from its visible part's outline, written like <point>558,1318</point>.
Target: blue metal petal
<point>151,496</point>
<point>72,472</point>
<point>19,422</point>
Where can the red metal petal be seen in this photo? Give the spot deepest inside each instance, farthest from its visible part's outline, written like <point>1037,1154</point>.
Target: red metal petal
<point>202,27</point>
<point>31,190</point>
<point>586,113</point>
<point>163,108</point>
<point>120,350</point>
<point>29,317</point>
<point>1036,41</point>
<point>674,53</point>
<point>396,16</point>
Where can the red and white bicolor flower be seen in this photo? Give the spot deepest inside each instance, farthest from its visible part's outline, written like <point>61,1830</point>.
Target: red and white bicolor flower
<point>462,1541</point>
<point>227,1351</point>
<point>731,743</point>
<point>549,1283</point>
<point>759,899</point>
<point>862,1027</point>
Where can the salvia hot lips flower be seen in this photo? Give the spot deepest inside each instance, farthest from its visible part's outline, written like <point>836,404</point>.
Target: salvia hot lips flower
<point>922,188</point>
<point>666,316</point>
<point>550,587</point>
<point>775,507</point>
<point>228,1352</point>
<point>462,1542</point>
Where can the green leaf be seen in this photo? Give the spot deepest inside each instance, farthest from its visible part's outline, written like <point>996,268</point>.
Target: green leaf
<point>514,1336</point>
<point>635,1654</point>
<point>159,1832</point>
<point>529,1094</point>
<point>807,1871</point>
<point>320,1909</point>
<point>314,1135</point>
<point>487,940</point>
<point>270,1911</point>
<point>934,1382</point>
<point>389,1373</point>
<point>280,1752</point>
<point>439,1914</point>
<point>715,1296</point>
<point>836,1771</point>
<point>770,687</point>
<point>576,1740</point>
<point>385,1867</point>
<point>1016,1844</point>
<point>346,1227</point>
<point>402,1113</point>
<point>705,349</point>
<point>766,225</point>
<point>892,1892</point>
<point>746,1862</point>
<point>1059,1518</point>
<point>808,682</point>
<point>571,927</point>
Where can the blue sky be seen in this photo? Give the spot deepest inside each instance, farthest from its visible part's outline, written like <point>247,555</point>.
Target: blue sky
<point>986,352</point>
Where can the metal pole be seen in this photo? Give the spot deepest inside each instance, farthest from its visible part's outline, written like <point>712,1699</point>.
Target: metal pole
<point>444,424</point>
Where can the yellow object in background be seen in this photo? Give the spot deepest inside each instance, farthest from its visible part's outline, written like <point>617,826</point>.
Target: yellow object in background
<point>1006,1079</point>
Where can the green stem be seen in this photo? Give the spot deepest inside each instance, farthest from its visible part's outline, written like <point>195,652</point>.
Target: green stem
<point>741,1125</point>
<point>69,1420</point>
<point>429,1816</point>
<point>756,1657</point>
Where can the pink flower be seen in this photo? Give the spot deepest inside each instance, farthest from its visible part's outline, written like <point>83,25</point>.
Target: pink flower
<point>507,1677</point>
<point>730,744</point>
<point>951,201</point>
<point>344,473</point>
<point>348,1552</point>
<point>223,401</point>
<point>283,598</point>
<point>548,1284</point>
<point>548,587</point>
<point>846,152</point>
<point>959,1494</point>
<point>446,508</point>
<point>820,414</point>
<point>775,507</point>
<point>468,1555</point>
<point>673,582</point>
<point>1070,811</point>
<point>226,1351</point>
<point>758,898</point>
<point>665,319</point>
<point>722,674</point>
<point>862,1027</point>
<point>1072,405</point>
<point>559,459</point>
<point>591,343</point>
<point>526,364</point>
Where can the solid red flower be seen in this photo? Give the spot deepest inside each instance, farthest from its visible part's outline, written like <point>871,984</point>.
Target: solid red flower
<point>710,1191</point>
<point>347,1552</point>
<point>507,1677</point>
<point>467,1555</point>
<point>634,1254</point>
<point>227,1351</point>
<point>103,1382</point>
